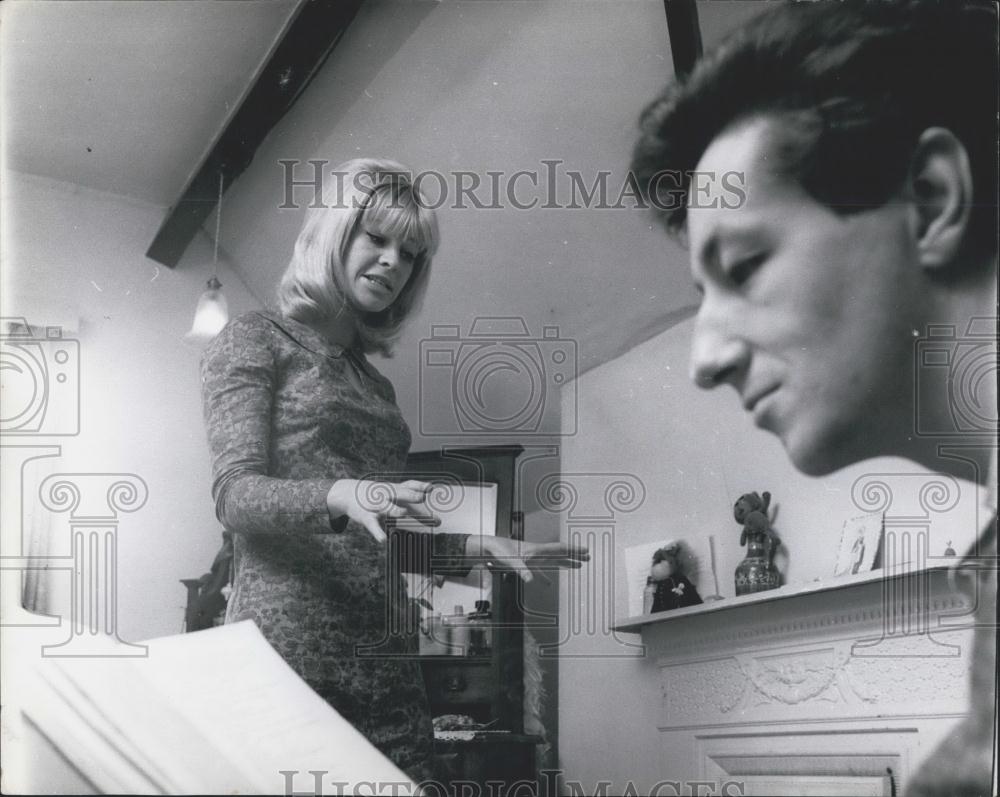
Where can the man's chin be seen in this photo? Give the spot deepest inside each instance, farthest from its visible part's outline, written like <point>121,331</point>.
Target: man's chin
<point>814,456</point>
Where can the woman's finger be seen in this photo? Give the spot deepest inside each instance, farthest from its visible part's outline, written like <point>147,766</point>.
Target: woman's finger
<point>414,484</point>
<point>511,563</point>
<point>559,550</point>
<point>407,495</point>
<point>371,522</point>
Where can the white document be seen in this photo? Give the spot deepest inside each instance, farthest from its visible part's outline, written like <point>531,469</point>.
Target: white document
<point>212,712</point>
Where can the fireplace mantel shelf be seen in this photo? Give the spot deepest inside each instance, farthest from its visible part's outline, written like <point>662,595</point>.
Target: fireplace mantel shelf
<point>783,594</point>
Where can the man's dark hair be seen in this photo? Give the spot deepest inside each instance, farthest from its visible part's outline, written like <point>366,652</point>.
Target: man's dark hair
<point>854,84</point>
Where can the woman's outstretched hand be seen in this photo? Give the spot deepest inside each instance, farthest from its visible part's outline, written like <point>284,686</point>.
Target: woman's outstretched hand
<point>371,502</point>
<point>505,554</point>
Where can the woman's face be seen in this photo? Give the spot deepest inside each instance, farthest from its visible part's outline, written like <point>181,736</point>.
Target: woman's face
<point>376,268</point>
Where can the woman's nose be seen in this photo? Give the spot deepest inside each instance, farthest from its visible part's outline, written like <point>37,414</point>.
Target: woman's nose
<point>717,354</point>
<point>389,256</point>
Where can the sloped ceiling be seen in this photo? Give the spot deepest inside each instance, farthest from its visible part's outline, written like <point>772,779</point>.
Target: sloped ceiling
<point>126,96</point>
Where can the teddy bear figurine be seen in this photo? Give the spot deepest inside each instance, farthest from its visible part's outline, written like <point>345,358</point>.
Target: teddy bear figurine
<point>670,588</point>
<point>757,571</point>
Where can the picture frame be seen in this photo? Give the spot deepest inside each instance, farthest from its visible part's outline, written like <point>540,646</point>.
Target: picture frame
<point>860,545</point>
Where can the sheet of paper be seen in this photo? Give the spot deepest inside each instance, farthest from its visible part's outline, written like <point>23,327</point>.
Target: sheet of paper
<point>212,712</point>
<point>260,713</point>
<point>122,733</point>
<point>463,509</point>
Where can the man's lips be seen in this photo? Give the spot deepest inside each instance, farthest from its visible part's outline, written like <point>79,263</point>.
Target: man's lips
<point>751,399</point>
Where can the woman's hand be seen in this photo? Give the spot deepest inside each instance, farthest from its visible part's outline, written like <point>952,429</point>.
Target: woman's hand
<point>370,502</point>
<point>503,554</point>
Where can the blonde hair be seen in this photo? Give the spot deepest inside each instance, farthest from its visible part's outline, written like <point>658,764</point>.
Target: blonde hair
<point>380,192</point>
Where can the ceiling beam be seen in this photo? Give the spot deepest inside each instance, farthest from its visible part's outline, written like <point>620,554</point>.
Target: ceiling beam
<point>685,34</point>
<point>307,42</point>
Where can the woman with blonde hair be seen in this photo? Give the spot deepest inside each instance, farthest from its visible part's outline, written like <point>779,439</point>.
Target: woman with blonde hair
<point>302,430</point>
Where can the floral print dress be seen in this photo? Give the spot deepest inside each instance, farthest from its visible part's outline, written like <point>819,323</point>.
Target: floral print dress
<point>287,414</point>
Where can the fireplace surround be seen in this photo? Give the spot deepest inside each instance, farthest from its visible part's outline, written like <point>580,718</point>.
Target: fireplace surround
<point>834,687</point>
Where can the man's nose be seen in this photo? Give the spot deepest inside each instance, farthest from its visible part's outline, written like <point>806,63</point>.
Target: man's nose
<point>717,354</point>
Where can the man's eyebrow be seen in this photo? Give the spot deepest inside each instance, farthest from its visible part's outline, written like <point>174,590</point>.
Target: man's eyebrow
<point>709,249</point>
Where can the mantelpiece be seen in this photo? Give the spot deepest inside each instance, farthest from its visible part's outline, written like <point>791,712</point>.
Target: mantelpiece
<point>833,588</point>
<point>840,681</point>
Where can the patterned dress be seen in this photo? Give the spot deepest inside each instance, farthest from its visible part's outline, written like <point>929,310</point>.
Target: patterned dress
<point>288,413</point>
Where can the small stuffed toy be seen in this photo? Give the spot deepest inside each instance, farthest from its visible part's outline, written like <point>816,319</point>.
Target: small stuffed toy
<point>673,589</point>
<point>750,511</point>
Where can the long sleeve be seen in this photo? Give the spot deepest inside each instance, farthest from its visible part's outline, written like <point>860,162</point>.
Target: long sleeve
<point>425,552</point>
<point>238,381</point>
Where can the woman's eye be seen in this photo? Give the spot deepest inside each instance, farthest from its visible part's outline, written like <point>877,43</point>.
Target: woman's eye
<point>408,256</point>
<point>375,238</point>
<point>742,270</point>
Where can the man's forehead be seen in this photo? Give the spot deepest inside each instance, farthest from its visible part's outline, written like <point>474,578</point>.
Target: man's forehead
<point>745,145</point>
<point>743,153</point>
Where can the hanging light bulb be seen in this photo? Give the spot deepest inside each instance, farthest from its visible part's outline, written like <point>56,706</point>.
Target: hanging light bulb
<point>212,313</point>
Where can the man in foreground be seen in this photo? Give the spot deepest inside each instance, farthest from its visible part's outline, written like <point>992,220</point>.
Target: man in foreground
<point>866,135</point>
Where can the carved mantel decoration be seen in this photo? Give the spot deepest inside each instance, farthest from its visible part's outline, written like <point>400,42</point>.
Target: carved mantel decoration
<point>822,681</point>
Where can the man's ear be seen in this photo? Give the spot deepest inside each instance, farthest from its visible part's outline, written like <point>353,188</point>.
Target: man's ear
<point>940,187</point>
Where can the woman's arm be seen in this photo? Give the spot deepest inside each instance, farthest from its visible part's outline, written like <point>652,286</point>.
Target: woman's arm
<point>505,554</point>
<point>428,553</point>
<point>238,379</point>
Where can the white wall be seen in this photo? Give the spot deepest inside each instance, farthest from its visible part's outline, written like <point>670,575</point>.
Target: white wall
<point>695,452</point>
<point>74,256</point>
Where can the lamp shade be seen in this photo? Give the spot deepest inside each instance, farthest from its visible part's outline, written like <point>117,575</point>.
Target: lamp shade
<point>211,315</point>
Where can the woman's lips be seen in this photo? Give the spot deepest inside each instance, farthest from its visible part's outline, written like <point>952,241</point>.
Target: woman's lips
<point>379,282</point>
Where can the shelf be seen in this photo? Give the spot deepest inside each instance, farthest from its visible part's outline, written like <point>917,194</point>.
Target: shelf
<point>789,592</point>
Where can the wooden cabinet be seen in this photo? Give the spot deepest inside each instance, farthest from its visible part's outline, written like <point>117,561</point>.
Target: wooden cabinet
<point>490,688</point>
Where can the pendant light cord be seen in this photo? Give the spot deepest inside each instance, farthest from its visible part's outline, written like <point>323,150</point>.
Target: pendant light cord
<point>218,227</point>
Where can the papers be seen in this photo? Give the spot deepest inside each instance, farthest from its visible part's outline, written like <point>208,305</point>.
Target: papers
<point>212,712</point>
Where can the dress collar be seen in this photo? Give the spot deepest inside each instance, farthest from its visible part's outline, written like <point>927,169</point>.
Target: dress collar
<point>311,339</point>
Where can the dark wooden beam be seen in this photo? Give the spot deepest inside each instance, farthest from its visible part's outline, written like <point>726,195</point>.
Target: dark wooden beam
<point>306,44</point>
<point>685,34</point>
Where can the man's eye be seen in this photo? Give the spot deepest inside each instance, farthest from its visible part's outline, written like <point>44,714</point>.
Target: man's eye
<point>742,270</point>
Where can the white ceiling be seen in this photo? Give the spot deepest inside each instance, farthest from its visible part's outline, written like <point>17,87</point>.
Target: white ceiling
<point>127,96</point>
